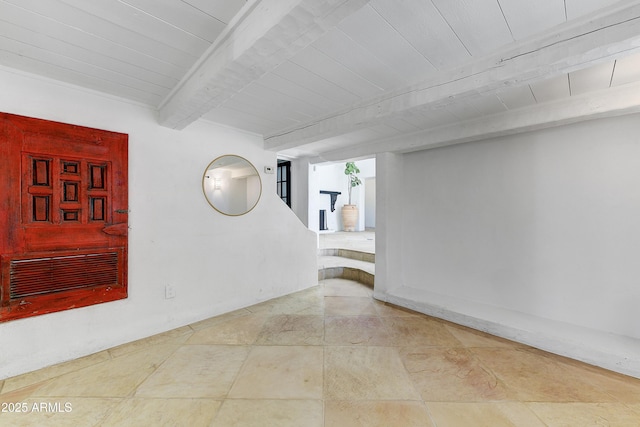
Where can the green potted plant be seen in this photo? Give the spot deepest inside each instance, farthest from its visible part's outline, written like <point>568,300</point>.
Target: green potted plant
<point>350,211</point>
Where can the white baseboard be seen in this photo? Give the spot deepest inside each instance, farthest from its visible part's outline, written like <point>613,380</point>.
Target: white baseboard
<point>613,352</point>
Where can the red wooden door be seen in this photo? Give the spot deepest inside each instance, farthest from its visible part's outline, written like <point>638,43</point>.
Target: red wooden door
<point>63,210</point>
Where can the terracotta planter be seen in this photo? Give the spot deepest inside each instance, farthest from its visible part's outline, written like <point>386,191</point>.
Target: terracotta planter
<point>349,217</point>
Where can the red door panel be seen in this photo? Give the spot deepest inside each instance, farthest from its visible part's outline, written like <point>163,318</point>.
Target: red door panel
<point>63,193</point>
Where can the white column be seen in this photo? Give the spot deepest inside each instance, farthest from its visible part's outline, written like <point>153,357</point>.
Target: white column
<point>389,222</point>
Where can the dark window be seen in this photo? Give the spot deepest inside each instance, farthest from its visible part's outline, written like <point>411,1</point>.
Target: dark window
<point>284,181</point>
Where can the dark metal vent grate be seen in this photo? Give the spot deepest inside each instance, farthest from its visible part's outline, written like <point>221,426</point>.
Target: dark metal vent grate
<point>62,273</point>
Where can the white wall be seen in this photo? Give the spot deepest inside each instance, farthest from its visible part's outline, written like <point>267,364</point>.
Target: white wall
<point>534,237</point>
<point>370,203</point>
<point>300,189</point>
<point>216,263</point>
<point>331,177</point>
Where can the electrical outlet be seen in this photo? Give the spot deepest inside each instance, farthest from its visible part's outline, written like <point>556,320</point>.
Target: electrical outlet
<point>169,292</point>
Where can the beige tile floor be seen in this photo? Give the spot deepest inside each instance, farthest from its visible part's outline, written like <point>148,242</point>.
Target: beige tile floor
<point>327,356</point>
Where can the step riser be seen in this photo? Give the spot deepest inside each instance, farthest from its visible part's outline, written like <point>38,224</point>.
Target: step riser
<point>349,273</point>
<point>348,253</point>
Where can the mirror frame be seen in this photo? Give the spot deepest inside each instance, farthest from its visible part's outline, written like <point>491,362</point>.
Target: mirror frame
<point>204,192</point>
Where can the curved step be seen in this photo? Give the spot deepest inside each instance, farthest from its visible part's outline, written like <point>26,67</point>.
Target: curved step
<point>346,264</point>
<point>348,253</point>
<point>349,273</point>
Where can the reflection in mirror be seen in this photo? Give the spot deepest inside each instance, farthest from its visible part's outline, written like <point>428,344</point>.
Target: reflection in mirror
<point>232,185</point>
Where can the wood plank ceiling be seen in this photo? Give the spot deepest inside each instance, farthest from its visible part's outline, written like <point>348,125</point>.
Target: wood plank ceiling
<point>332,79</point>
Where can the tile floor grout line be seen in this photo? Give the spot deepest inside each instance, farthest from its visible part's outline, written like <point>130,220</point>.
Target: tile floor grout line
<point>472,350</point>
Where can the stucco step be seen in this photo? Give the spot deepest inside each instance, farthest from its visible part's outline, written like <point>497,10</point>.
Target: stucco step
<point>347,253</point>
<point>331,267</point>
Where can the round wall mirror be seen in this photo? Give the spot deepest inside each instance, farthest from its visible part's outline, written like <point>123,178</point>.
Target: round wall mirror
<point>232,185</point>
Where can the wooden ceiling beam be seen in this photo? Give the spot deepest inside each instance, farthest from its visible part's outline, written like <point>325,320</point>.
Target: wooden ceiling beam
<point>601,36</point>
<point>611,102</point>
<point>264,34</point>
